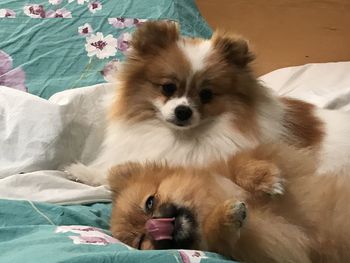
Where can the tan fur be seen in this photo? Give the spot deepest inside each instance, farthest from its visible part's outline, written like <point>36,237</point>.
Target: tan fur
<point>234,48</point>
<point>300,119</point>
<point>309,223</point>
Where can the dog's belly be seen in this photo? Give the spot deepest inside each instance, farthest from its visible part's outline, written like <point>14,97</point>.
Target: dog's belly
<point>335,146</point>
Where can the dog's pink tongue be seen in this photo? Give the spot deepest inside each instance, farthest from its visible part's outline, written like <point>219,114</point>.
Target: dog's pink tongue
<point>160,228</point>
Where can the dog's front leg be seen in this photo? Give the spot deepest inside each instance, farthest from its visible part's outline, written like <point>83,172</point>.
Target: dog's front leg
<point>222,226</point>
<point>255,176</point>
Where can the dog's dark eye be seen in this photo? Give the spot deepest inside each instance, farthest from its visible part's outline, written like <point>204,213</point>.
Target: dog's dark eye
<point>149,204</point>
<point>168,89</point>
<point>206,95</point>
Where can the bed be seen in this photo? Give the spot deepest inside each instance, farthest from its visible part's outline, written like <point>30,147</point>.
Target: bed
<point>53,219</point>
<point>47,122</point>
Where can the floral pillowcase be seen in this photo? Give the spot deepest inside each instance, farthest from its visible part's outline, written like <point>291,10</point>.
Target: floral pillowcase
<point>52,45</point>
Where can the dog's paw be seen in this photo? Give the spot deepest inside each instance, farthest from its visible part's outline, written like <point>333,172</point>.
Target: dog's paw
<point>83,174</point>
<point>261,177</point>
<point>277,188</point>
<point>235,213</point>
<point>269,179</point>
<point>70,176</point>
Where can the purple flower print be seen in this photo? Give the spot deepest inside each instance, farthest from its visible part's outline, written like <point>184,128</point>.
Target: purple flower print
<point>34,11</point>
<point>9,77</point>
<point>124,42</point>
<point>138,21</point>
<point>8,13</point>
<point>192,256</point>
<point>100,241</point>
<point>95,6</point>
<point>59,13</point>
<point>85,30</point>
<point>101,46</point>
<point>120,22</point>
<point>110,70</point>
<point>88,235</point>
<point>75,229</point>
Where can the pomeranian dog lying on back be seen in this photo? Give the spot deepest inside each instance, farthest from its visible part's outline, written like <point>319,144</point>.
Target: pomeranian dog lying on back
<point>225,208</point>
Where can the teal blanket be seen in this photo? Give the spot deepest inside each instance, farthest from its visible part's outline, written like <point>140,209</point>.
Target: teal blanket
<point>51,45</point>
<point>45,233</point>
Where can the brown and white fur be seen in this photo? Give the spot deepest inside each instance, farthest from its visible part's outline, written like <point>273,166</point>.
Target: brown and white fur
<point>230,110</point>
<point>308,223</point>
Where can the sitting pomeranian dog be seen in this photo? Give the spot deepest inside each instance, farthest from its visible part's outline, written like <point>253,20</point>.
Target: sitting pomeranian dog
<point>192,101</point>
<point>217,209</point>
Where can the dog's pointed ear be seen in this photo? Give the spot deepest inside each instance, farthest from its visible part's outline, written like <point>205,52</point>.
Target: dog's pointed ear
<point>154,35</point>
<point>234,48</point>
<point>119,175</point>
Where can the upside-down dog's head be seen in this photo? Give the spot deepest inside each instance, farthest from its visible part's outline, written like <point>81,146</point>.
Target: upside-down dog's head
<point>143,192</point>
<point>158,207</point>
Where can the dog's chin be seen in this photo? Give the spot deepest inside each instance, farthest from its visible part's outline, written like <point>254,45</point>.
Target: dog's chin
<point>181,126</point>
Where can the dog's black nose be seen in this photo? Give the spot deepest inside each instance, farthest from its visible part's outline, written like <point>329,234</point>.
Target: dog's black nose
<point>183,113</point>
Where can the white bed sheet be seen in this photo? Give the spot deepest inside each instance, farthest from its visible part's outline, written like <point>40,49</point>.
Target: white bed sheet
<point>38,137</point>
<point>326,85</point>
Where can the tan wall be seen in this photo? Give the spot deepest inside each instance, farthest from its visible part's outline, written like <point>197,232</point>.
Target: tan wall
<point>286,32</point>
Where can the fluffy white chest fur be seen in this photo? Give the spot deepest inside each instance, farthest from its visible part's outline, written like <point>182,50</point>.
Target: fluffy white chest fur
<point>154,141</point>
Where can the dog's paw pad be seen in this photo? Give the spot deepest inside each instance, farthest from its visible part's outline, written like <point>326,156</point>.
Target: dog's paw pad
<point>235,213</point>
